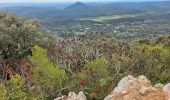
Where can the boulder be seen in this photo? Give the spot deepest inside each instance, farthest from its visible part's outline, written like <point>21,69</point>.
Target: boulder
<point>139,88</point>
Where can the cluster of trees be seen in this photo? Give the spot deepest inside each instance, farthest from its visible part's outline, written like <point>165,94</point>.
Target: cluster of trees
<point>38,66</point>
<point>17,37</point>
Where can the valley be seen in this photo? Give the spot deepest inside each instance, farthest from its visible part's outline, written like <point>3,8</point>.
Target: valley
<point>85,50</point>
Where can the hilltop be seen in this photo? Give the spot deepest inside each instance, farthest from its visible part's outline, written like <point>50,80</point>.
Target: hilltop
<point>77,6</point>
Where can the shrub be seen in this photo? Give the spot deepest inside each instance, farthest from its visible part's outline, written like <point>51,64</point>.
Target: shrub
<point>154,62</point>
<point>3,92</point>
<point>15,88</point>
<point>94,79</point>
<point>17,36</point>
<point>48,76</point>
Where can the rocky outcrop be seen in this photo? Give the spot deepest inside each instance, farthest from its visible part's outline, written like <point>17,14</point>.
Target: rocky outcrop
<point>73,96</point>
<point>140,88</point>
<point>130,88</point>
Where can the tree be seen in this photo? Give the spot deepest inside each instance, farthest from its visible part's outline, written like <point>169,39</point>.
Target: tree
<point>17,36</point>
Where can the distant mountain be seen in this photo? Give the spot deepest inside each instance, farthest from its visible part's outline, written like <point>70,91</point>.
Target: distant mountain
<point>31,11</point>
<point>80,8</point>
<point>77,6</point>
<point>49,13</point>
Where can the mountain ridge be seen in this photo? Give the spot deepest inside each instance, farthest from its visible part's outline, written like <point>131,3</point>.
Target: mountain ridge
<point>77,6</point>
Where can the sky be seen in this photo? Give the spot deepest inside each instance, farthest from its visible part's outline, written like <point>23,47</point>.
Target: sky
<point>6,1</point>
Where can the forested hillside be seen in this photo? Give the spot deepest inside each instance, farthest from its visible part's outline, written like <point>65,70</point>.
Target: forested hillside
<point>35,65</point>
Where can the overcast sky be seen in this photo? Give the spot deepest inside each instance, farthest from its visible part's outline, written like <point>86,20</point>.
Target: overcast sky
<point>76,0</point>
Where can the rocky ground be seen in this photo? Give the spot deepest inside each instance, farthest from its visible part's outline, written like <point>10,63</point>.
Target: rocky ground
<point>130,88</point>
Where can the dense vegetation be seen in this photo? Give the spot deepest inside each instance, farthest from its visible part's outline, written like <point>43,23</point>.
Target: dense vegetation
<point>35,65</point>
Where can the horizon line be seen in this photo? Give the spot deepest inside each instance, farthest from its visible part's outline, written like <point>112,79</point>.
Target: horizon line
<point>88,1</point>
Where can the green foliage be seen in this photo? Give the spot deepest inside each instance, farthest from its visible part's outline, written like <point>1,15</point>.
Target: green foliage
<point>156,61</point>
<point>99,65</point>
<point>47,75</point>
<point>15,88</point>
<point>3,92</point>
<point>94,79</point>
<point>17,36</point>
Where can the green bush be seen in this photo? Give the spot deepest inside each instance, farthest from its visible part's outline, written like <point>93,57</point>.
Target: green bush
<point>154,62</point>
<point>17,36</point>
<point>15,88</point>
<point>94,79</point>
<point>48,76</point>
<point>3,92</point>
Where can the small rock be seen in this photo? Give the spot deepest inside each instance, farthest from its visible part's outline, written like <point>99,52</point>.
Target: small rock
<point>81,96</point>
<point>144,78</point>
<point>61,98</point>
<point>72,94</point>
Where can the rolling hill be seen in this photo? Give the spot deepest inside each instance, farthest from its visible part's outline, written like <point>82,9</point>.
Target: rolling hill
<point>71,12</point>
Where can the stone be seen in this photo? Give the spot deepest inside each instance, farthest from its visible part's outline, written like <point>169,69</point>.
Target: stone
<point>61,98</point>
<point>81,96</point>
<point>144,78</point>
<point>166,89</point>
<point>139,88</point>
<point>73,96</point>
